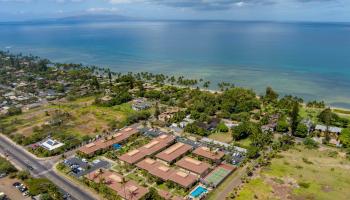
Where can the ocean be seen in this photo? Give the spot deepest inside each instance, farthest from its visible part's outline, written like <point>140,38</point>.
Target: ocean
<point>310,60</point>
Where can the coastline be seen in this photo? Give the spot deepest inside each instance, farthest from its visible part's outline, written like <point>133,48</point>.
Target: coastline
<point>303,104</point>
<point>227,52</point>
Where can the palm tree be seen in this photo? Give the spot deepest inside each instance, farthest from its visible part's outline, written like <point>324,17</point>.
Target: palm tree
<point>132,194</point>
<point>123,183</point>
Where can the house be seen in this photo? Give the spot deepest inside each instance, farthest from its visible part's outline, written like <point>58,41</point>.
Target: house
<point>168,114</point>
<point>195,166</point>
<point>333,131</point>
<point>213,155</point>
<point>107,142</point>
<point>140,104</point>
<point>150,132</point>
<point>174,152</point>
<point>166,173</point>
<point>126,189</point>
<point>51,144</point>
<point>156,145</point>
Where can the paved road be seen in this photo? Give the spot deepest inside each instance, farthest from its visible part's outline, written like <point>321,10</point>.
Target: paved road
<point>41,169</point>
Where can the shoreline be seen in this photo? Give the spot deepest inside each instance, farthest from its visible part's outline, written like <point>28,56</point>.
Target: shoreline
<point>257,96</point>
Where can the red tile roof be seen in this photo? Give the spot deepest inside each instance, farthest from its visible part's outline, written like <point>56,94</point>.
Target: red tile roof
<point>130,190</point>
<point>168,196</point>
<point>206,153</point>
<point>184,179</point>
<point>165,173</point>
<point>105,143</point>
<point>193,165</point>
<point>175,151</point>
<point>156,168</point>
<point>151,148</point>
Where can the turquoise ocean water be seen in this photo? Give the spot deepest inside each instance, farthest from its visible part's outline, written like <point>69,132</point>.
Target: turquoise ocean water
<point>311,60</point>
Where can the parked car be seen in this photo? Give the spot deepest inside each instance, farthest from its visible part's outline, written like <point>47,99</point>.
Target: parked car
<point>2,175</point>
<point>66,196</point>
<point>26,193</point>
<point>15,184</point>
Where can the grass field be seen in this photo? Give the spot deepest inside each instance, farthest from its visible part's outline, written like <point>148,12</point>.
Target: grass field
<point>302,174</point>
<point>245,143</point>
<point>222,137</point>
<point>86,118</point>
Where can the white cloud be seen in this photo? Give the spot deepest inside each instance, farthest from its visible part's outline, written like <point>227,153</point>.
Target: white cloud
<point>102,10</point>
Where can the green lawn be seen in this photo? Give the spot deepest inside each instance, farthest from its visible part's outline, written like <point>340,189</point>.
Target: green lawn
<point>304,174</point>
<point>256,188</point>
<point>245,143</point>
<point>222,137</point>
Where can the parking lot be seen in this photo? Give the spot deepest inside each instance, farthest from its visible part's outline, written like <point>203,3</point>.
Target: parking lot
<point>81,167</point>
<point>6,186</point>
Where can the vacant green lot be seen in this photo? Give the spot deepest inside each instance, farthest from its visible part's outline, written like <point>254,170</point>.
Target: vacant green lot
<point>222,137</point>
<point>86,118</point>
<point>302,174</point>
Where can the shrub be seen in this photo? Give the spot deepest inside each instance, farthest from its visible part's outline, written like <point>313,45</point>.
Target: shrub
<point>301,130</point>
<point>6,166</point>
<point>304,184</point>
<point>310,143</point>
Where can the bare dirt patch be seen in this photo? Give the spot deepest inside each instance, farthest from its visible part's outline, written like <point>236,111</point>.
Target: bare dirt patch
<point>9,190</point>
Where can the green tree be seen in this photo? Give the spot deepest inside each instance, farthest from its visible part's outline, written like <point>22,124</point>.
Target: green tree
<point>94,83</point>
<point>152,195</point>
<point>6,166</point>
<point>253,152</point>
<point>302,130</point>
<point>345,137</point>
<point>23,175</point>
<point>270,95</point>
<point>222,128</point>
<point>244,130</point>
<point>14,111</point>
<point>310,143</point>
<point>157,111</point>
<point>282,126</point>
<point>295,117</point>
<point>261,139</point>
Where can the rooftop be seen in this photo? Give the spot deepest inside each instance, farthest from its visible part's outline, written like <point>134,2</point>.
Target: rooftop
<point>175,151</point>
<point>331,129</point>
<point>182,178</point>
<point>131,190</point>
<point>151,148</point>
<point>104,143</point>
<point>207,153</point>
<point>51,144</point>
<point>156,168</point>
<point>193,165</point>
<point>165,173</point>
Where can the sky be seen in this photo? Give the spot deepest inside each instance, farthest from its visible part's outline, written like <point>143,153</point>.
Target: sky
<point>274,10</point>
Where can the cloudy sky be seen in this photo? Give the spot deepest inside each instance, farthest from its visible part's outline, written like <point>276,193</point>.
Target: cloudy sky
<point>278,10</point>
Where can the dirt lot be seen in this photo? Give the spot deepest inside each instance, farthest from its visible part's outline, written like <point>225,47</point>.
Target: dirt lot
<point>11,191</point>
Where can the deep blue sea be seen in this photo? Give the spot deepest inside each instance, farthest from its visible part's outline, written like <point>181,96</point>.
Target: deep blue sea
<point>311,60</point>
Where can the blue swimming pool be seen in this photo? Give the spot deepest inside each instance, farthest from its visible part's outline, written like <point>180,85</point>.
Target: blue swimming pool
<point>199,191</point>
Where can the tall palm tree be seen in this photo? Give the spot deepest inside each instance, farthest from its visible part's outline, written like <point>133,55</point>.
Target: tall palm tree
<point>123,183</point>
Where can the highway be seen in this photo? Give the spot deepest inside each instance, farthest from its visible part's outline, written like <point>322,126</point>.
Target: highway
<point>42,168</point>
